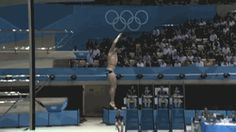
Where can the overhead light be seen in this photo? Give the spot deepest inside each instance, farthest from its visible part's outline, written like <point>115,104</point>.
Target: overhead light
<point>73,77</point>
<point>13,30</point>
<point>181,76</point>
<point>27,48</point>
<point>119,76</point>
<point>226,75</point>
<point>43,48</point>
<point>38,75</point>
<point>52,77</point>
<point>8,77</point>
<point>160,76</point>
<point>139,76</point>
<point>25,80</point>
<point>203,75</point>
<point>22,75</point>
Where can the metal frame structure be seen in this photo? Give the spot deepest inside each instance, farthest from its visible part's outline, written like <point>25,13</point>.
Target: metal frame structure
<point>32,62</point>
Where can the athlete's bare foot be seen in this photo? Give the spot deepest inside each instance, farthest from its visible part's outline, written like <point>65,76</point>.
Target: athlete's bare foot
<point>112,105</point>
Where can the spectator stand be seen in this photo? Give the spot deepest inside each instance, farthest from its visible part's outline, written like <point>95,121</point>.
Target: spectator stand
<point>195,42</point>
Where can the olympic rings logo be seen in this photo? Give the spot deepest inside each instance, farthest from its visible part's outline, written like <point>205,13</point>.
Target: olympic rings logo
<point>126,19</point>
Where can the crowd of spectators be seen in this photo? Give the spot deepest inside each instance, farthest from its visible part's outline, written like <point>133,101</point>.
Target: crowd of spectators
<point>148,2</point>
<point>200,43</point>
<point>159,2</point>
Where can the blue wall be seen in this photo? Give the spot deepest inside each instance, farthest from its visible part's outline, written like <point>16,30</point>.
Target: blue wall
<point>45,14</point>
<point>16,17</point>
<point>89,21</point>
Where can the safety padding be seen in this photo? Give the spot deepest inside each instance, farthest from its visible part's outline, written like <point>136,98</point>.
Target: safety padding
<point>147,119</point>
<point>64,118</point>
<point>109,116</point>
<point>132,119</point>
<point>9,120</point>
<point>41,119</point>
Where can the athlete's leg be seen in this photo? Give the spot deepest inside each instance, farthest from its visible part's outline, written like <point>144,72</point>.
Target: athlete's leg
<point>113,86</point>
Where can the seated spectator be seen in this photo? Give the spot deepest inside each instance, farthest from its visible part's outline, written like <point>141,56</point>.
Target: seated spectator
<point>147,60</point>
<point>156,32</point>
<point>102,59</point>
<point>140,63</point>
<point>96,52</point>
<point>166,50</point>
<point>213,37</point>
<point>208,63</point>
<point>219,58</point>
<point>162,64</point>
<point>159,53</point>
<point>126,62</point>
<point>172,50</point>
<point>132,63</point>
<point>90,58</point>
<point>190,57</point>
<point>226,50</point>
<point>234,59</point>
<point>177,64</point>
<point>154,60</point>
<point>228,57</point>
<point>138,49</point>
<point>75,48</point>
<point>231,22</point>
<point>226,30</point>
<point>199,63</point>
<point>225,63</point>
<point>182,58</point>
<point>202,23</point>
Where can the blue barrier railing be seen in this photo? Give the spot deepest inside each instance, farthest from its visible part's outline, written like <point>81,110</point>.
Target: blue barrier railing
<point>99,74</point>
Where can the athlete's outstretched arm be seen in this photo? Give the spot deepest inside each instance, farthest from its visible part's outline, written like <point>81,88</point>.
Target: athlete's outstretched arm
<point>115,42</point>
